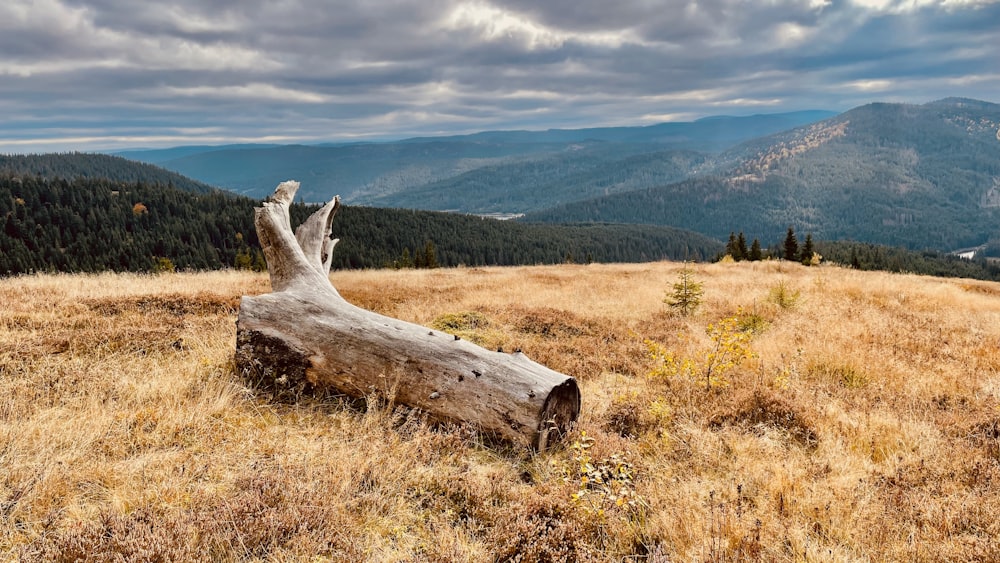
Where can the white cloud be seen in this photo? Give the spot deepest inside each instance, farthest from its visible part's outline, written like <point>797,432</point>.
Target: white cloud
<point>113,142</point>
<point>663,117</point>
<point>178,54</point>
<point>253,91</point>
<point>491,23</point>
<point>790,34</point>
<point>65,39</point>
<point>28,69</point>
<point>747,102</point>
<point>42,14</point>
<point>691,96</point>
<point>972,79</point>
<point>870,85</point>
<point>904,6</point>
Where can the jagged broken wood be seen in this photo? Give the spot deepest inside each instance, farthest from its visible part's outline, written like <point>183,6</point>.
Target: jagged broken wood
<point>304,335</point>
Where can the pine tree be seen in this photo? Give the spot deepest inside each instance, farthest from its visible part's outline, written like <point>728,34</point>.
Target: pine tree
<point>741,247</point>
<point>244,260</point>
<point>687,293</point>
<point>755,254</point>
<point>406,261</point>
<point>807,250</point>
<point>791,246</point>
<point>430,256</point>
<point>259,263</point>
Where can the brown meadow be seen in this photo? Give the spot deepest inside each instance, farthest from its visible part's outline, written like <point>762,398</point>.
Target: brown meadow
<point>865,428</point>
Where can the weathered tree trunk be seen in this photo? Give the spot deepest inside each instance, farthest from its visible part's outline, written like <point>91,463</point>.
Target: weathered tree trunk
<point>304,335</point>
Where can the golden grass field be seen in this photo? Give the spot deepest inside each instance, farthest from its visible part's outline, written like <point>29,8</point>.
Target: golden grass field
<point>865,428</point>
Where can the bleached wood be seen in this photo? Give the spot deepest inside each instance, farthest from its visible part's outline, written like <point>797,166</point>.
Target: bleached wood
<point>304,335</point>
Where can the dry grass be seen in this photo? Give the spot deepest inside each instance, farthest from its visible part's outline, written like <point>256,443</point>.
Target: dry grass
<point>865,430</point>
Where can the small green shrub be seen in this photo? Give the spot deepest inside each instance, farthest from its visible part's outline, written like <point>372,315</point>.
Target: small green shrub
<point>470,325</point>
<point>163,265</point>
<point>845,375</point>
<point>687,293</point>
<point>454,323</point>
<point>784,295</point>
<point>752,323</point>
<point>730,347</point>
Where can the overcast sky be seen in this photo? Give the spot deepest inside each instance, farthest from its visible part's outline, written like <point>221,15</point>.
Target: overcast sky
<point>100,74</point>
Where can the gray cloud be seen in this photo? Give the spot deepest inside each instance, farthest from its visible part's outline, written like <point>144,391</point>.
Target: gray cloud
<point>98,74</point>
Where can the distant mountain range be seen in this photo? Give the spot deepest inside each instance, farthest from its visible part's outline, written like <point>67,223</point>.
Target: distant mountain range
<point>919,176</point>
<point>372,173</point>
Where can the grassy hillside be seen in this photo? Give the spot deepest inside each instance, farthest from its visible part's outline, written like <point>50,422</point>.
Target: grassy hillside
<point>865,425</point>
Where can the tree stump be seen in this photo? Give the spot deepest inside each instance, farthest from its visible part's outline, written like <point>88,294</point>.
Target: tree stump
<point>305,336</point>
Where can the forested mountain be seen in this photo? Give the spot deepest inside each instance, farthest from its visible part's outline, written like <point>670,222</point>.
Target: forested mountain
<point>86,165</point>
<point>91,225</point>
<point>924,176</point>
<point>526,185</point>
<point>369,173</point>
<point>350,171</point>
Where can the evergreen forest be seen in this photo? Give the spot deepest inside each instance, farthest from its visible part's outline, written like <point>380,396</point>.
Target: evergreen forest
<point>94,166</point>
<point>89,225</point>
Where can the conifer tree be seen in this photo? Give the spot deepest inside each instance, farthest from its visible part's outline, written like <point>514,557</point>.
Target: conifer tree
<point>741,247</point>
<point>430,256</point>
<point>406,261</point>
<point>807,250</point>
<point>731,245</point>
<point>791,246</point>
<point>755,253</point>
<point>687,293</point>
<point>244,260</point>
<point>259,263</point>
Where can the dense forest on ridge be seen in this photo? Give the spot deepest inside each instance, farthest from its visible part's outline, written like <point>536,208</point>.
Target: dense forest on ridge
<point>95,166</point>
<point>91,225</point>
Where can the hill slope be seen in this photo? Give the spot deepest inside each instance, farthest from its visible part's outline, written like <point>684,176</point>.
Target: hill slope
<point>87,165</point>
<point>128,436</point>
<point>349,171</point>
<point>584,172</point>
<point>918,176</point>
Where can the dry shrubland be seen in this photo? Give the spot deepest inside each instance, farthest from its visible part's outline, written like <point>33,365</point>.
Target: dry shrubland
<point>863,423</point>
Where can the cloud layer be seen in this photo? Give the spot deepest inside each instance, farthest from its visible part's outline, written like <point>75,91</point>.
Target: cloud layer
<point>99,74</point>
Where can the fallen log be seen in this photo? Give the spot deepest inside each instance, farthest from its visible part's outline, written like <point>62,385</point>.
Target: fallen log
<point>304,336</point>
